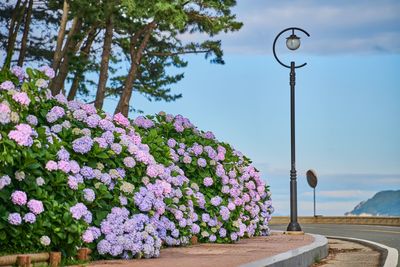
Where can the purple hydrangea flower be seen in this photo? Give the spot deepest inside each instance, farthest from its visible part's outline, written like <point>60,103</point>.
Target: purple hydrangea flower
<point>7,85</point>
<point>79,114</point>
<point>32,120</point>
<point>234,236</point>
<point>49,72</point>
<point>89,194</point>
<point>101,142</point>
<point>225,213</point>
<point>195,229</point>
<point>117,148</point>
<point>63,154</point>
<point>93,120</point>
<point>129,162</point>
<point>72,182</point>
<point>5,113</point>
<point>19,72</point>
<point>75,168</point>
<point>212,238</point>
<point>82,145</point>
<point>202,162</point>
<point>87,172</point>
<point>55,113</point>
<point>208,181</point>
<point>143,122</point>
<point>106,125</point>
<point>30,218</point>
<point>216,201</point>
<point>14,218</point>
<point>222,232</point>
<point>78,211</point>
<point>4,181</point>
<point>171,142</point>
<point>209,135</point>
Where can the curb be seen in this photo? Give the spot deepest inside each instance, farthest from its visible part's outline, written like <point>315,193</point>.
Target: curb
<point>302,256</point>
<point>390,255</point>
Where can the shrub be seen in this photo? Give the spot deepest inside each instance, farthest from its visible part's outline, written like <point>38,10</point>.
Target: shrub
<point>73,176</point>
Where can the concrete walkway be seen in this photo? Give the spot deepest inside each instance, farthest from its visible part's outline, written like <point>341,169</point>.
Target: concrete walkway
<point>213,255</point>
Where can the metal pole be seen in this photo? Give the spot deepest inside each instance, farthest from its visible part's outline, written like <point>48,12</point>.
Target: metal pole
<point>314,201</point>
<point>293,225</point>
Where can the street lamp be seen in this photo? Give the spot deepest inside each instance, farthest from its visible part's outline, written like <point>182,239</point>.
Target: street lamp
<point>292,43</point>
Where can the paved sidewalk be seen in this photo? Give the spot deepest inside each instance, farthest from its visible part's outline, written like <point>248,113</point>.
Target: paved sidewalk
<point>214,255</point>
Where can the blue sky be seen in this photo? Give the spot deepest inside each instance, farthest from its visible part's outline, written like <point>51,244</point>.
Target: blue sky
<point>348,115</point>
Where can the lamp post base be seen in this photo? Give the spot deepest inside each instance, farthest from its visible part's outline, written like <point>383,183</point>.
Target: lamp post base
<point>293,233</point>
<point>293,227</point>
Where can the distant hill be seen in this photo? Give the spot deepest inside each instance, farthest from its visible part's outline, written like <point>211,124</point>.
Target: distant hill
<point>384,203</point>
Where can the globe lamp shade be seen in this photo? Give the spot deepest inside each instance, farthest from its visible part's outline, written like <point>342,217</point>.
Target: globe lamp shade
<point>293,42</point>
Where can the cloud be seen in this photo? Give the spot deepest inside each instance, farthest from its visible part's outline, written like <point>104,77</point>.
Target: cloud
<point>326,208</point>
<point>306,208</point>
<point>344,27</point>
<point>343,194</point>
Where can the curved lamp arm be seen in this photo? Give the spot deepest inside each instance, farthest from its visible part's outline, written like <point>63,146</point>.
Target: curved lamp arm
<point>276,38</point>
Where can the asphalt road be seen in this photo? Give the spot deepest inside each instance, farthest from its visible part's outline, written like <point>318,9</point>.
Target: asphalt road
<point>387,235</point>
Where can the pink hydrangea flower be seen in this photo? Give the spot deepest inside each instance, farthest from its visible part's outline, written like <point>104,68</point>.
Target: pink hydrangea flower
<point>19,198</point>
<point>22,135</point>
<point>49,72</point>
<point>35,206</point>
<point>5,113</point>
<point>121,119</point>
<point>22,98</point>
<point>87,236</point>
<point>51,165</point>
<point>64,166</point>
<point>208,181</point>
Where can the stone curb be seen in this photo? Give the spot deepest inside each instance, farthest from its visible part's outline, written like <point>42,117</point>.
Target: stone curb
<point>390,255</point>
<point>302,256</point>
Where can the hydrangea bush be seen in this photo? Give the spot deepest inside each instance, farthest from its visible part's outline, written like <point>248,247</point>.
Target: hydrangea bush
<point>72,176</point>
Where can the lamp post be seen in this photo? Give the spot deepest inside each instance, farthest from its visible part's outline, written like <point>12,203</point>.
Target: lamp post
<point>292,43</point>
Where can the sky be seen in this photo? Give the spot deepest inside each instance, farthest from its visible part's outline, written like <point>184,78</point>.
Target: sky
<point>347,110</point>
<point>347,98</point>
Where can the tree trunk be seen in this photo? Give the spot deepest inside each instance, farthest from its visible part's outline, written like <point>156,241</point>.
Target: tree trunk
<point>25,35</point>
<point>136,58</point>
<point>14,16</point>
<point>105,58</point>
<point>60,36</point>
<point>72,47</point>
<point>84,55</point>
<point>15,24</point>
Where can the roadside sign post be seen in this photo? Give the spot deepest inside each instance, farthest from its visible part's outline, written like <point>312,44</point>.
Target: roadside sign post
<point>312,182</point>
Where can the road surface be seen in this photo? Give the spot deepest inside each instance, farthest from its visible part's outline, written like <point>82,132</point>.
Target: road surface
<point>387,235</point>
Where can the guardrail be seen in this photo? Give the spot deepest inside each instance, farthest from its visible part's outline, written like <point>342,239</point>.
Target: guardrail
<point>372,220</point>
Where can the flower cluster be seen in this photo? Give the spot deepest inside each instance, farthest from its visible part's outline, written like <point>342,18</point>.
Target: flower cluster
<point>128,236</point>
<point>236,197</point>
<point>23,134</point>
<point>20,198</point>
<point>119,187</point>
